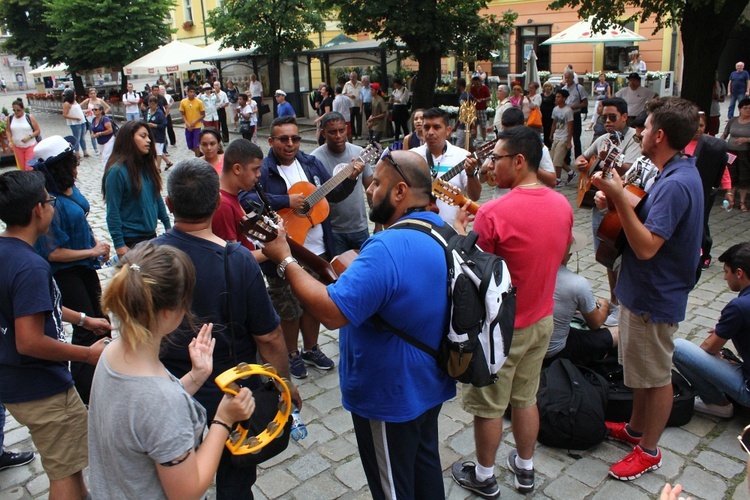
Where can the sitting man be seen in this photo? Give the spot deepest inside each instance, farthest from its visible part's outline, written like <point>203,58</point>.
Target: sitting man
<point>573,293</point>
<point>714,376</point>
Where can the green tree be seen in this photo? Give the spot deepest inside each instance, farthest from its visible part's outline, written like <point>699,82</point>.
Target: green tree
<point>32,36</point>
<point>278,28</point>
<point>103,33</point>
<point>431,30</point>
<point>705,27</point>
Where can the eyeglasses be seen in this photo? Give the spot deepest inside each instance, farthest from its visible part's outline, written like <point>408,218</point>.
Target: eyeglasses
<point>637,138</point>
<point>611,117</point>
<point>744,439</point>
<point>387,155</point>
<point>286,138</point>
<point>496,158</point>
<point>52,200</point>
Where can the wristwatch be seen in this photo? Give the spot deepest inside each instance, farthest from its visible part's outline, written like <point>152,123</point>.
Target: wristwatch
<point>281,269</point>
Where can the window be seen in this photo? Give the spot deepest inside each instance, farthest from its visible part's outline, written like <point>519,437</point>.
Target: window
<point>501,60</point>
<point>188,11</point>
<point>529,38</point>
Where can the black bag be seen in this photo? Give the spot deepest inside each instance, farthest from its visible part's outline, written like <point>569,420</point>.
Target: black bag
<point>267,399</point>
<point>620,405</point>
<point>571,404</point>
<point>264,109</point>
<point>482,299</point>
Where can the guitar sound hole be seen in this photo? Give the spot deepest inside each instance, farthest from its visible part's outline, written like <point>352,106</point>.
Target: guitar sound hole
<point>304,210</point>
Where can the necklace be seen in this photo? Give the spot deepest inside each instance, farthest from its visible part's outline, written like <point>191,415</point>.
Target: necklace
<point>529,184</point>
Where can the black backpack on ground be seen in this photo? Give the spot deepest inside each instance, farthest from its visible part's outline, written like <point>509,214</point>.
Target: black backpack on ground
<point>571,403</point>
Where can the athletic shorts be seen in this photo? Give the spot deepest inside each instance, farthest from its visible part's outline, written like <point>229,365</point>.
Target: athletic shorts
<point>192,137</point>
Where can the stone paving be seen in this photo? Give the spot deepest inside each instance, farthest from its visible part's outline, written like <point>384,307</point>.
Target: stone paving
<point>703,455</point>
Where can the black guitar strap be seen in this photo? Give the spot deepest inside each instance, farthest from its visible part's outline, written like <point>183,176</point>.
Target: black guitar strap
<point>431,162</point>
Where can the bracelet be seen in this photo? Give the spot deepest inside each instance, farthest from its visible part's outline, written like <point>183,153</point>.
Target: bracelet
<point>82,320</point>
<point>472,175</point>
<point>190,374</point>
<point>219,422</point>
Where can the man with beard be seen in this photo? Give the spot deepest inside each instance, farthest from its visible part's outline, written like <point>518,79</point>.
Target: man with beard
<point>393,389</point>
<point>349,216</point>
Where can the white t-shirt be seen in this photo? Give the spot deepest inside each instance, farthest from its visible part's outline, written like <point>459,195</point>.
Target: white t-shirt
<point>452,156</point>
<point>341,104</point>
<point>636,99</point>
<point>293,174</point>
<point>560,119</point>
<point>131,100</point>
<point>250,108</point>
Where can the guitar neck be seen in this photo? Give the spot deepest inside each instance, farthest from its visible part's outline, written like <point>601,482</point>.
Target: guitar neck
<point>330,184</point>
<point>450,174</point>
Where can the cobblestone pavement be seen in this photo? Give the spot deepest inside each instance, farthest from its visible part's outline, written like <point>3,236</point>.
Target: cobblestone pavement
<point>703,456</point>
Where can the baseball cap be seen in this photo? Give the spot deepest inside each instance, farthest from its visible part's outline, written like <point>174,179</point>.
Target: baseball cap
<point>206,86</point>
<point>52,148</point>
<point>632,76</point>
<point>375,86</point>
<point>280,92</point>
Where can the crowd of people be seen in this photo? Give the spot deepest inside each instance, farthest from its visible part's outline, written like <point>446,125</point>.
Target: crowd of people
<point>201,297</point>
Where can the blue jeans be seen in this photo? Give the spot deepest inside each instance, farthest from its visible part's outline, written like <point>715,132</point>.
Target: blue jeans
<point>78,130</point>
<point>732,101</point>
<point>712,378</point>
<point>2,427</point>
<point>342,242</point>
<point>132,116</point>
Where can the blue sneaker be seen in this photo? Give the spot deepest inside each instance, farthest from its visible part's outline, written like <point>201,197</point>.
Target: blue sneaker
<point>316,358</point>
<point>296,365</point>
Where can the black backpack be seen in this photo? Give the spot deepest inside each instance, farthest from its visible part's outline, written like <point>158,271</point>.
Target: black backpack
<point>483,308</point>
<point>572,402</point>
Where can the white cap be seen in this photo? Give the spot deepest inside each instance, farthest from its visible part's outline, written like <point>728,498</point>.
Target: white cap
<point>280,92</point>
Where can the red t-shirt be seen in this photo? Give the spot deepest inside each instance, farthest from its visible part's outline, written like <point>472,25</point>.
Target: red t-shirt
<point>531,230</point>
<point>481,92</point>
<point>226,221</point>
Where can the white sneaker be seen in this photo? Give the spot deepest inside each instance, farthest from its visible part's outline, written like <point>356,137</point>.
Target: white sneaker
<point>716,410</point>
<point>613,318</point>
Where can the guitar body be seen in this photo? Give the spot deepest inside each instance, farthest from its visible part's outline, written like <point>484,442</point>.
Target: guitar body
<point>610,230</point>
<point>584,181</point>
<point>298,223</point>
<point>341,263</point>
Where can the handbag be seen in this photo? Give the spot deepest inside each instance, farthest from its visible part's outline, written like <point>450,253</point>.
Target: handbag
<point>265,109</point>
<point>535,118</point>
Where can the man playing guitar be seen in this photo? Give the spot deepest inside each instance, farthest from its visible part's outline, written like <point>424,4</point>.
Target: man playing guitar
<point>615,113</point>
<point>285,166</point>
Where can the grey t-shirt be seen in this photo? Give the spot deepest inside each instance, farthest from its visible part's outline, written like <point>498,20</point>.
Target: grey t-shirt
<point>350,215</point>
<point>134,424</point>
<point>572,292</point>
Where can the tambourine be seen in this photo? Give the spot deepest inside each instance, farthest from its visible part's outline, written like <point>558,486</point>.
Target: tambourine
<point>239,443</point>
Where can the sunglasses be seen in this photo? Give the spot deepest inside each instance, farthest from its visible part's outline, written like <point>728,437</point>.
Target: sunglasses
<point>611,117</point>
<point>744,439</point>
<point>286,138</point>
<point>387,155</point>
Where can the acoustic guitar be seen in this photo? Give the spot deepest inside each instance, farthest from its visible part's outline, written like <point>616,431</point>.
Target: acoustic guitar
<point>316,209</point>
<point>611,154</point>
<point>610,233</point>
<point>480,154</point>
<point>451,195</point>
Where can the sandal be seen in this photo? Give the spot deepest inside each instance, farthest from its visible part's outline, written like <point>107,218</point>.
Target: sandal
<point>169,165</point>
<point>743,207</point>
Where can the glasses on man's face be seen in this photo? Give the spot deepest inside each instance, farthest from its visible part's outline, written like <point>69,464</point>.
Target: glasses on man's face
<point>387,155</point>
<point>611,117</point>
<point>52,200</point>
<point>286,138</point>
<point>496,158</point>
<point>744,439</point>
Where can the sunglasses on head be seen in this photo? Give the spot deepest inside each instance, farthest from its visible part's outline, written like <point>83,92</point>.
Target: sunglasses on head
<point>744,439</point>
<point>388,156</point>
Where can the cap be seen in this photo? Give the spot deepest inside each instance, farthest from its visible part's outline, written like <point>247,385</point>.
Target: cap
<point>375,86</point>
<point>206,86</point>
<point>634,76</point>
<point>580,240</point>
<point>52,148</point>
<point>280,92</point>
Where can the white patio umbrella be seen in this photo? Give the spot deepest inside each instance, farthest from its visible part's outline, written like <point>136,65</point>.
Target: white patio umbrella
<point>47,70</point>
<point>582,32</point>
<point>532,73</point>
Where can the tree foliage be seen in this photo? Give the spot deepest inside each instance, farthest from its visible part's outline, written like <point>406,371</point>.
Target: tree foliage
<point>32,36</point>
<point>705,27</point>
<point>431,30</point>
<point>279,28</point>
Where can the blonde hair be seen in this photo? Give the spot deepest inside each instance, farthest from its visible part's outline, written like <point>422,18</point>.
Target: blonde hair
<point>149,279</point>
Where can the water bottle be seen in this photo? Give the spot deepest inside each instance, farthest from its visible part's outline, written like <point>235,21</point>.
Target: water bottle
<point>111,262</point>
<point>299,431</point>
<point>726,205</point>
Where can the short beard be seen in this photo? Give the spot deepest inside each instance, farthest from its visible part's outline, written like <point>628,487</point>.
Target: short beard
<point>383,212</point>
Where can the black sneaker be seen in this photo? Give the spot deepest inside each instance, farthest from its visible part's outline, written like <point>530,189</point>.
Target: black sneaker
<point>316,358</point>
<point>296,365</point>
<point>11,459</point>
<point>464,474</point>
<point>524,478</point>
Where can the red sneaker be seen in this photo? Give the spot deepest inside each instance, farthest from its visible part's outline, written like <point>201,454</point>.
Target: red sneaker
<point>635,464</point>
<point>618,432</point>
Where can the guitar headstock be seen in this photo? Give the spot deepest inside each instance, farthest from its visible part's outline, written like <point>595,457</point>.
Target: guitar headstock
<point>484,150</point>
<point>612,160</point>
<point>259,227</point>
<point>371,154</point>
<point>447,192</point>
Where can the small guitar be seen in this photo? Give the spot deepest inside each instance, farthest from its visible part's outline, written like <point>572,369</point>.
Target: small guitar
<point>451,195</point>
<point>610,233</point>
<point>316,209</point>
<point>585,194</point>
<point>262,226</point>
<point>480,154</point>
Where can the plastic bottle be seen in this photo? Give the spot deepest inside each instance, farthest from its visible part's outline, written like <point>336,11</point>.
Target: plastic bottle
<point>726,205</point>
<point>111,262</point>
<point>299,430</point>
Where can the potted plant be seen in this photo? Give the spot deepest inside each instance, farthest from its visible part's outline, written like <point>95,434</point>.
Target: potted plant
<point>187,25</point>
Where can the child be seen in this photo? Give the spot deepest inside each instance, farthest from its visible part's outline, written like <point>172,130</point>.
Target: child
<point>562,138</point>
<point>138,449</point>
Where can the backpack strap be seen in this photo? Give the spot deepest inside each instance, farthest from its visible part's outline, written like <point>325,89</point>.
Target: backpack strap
<point>440,234</point>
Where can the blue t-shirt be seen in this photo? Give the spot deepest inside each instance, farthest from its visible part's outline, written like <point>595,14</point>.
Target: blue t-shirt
<point>101,127</point>
<point>252,311</point>
<point>285,109</point>
<point>738,81</point>
<point>69,229</point>
<point>401,275</point>
<point>27,288</point>
<point>734,325</point>
<point>673,210</point>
